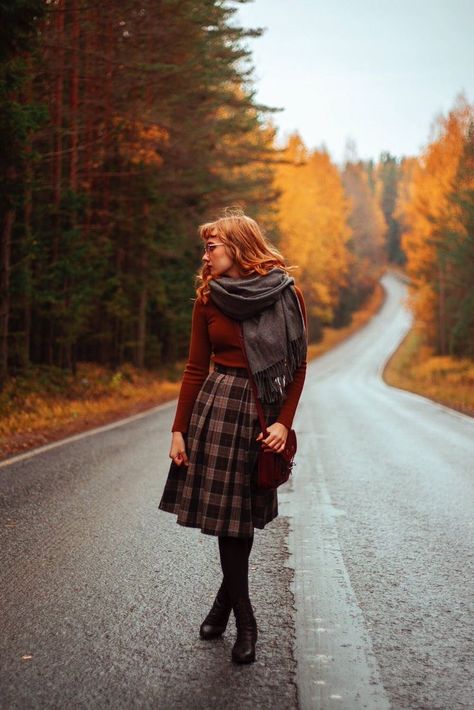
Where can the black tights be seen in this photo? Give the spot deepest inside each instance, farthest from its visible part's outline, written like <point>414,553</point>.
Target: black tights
<point>234,553</point>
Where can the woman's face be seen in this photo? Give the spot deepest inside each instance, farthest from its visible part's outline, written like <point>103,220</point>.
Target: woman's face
<point>220,262</point>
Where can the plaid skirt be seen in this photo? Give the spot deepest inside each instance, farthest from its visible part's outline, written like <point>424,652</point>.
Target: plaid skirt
<point>216,492</point>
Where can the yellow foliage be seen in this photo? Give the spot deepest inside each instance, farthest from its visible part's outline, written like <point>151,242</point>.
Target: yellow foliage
<point>312,216</point>
<point>140,141</point>
<point>423,206</point>
<point>95,396</point>
<point>444,366</point>
<point>444,379</point>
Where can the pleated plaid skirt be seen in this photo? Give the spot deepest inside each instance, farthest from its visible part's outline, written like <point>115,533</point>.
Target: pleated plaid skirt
<point>217,491</point>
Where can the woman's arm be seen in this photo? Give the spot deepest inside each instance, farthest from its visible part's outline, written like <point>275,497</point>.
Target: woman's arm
<point>295,387</point>
<point>278,431</point>
<point>196,370</point>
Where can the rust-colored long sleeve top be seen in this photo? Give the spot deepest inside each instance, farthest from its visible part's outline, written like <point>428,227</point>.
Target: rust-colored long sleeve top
<point>214,332</point>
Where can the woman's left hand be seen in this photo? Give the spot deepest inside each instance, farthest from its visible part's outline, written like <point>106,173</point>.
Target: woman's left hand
<point>276,439</point>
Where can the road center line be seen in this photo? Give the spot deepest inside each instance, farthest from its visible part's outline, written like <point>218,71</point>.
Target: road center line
<point>336,665</point>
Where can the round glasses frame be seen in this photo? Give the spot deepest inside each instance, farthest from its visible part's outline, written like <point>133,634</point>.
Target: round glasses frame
<point>208,248</point>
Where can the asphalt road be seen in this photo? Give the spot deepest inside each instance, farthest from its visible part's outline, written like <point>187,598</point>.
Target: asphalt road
<point>382,512</point>
<point>362,586</point>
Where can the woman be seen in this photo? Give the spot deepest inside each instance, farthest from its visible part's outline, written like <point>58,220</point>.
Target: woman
<point>215,433</point>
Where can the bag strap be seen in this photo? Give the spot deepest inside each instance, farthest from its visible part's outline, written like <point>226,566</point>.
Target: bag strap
<point>261,415</point>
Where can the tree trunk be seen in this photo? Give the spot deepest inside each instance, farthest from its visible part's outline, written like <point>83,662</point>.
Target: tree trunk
<point>141,335</point>
<point>74,99</point>
<point>57,158</point>
<point>5,292</point>
<point>24,345</point>
<point>442,309</point>
<point>58,109</point>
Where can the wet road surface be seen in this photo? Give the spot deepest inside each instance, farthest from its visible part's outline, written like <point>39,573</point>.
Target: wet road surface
<point>106,593</point>
<point>381,514</point>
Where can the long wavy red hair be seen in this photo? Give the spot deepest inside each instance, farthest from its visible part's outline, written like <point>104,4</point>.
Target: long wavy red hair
<point>246,244</point>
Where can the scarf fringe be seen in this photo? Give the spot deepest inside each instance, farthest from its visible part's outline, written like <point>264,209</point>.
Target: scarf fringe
<point>272,382</point>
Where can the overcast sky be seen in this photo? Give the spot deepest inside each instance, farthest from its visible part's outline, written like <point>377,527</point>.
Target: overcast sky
<point>374,71</point>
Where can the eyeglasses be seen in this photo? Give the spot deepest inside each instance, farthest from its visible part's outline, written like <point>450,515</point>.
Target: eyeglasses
<point>208,248</point>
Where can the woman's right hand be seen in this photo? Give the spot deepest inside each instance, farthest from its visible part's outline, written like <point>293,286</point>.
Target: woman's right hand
<point>178,449</point>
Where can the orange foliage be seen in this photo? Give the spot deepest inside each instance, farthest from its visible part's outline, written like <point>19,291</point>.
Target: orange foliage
<point>254,154</point>
<point>313,213</point>
<point>425,211</point>
<point>141,142</point>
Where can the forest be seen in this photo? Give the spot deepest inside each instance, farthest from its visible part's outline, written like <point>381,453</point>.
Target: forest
<point>124,125</point>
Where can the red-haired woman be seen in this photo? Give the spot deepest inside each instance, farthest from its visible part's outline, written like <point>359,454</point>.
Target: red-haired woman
<point>216,432</point>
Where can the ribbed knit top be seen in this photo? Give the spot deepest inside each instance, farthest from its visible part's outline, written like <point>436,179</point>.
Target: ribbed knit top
<point>215,337</point>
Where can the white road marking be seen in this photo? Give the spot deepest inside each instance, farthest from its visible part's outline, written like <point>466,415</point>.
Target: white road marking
<point>84,434</point>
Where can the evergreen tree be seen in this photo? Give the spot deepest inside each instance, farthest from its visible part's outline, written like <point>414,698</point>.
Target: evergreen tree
<point>152,126</point>
<point>19,117</point>
<point>388,175</point>
<point>456,250</point>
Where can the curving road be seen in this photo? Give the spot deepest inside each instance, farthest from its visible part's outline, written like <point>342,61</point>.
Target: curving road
<point>382,516</point>
<point>362,586</point>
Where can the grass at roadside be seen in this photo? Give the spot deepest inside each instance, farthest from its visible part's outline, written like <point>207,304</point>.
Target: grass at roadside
<point>446,380</point>
<point>47,403</point>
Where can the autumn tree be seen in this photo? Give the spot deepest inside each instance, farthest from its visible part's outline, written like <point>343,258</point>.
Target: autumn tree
<point>313,213</point>
<point>367,247</point>
<point>427,211</point>
<point>387,176</point>
<point>456,251</point>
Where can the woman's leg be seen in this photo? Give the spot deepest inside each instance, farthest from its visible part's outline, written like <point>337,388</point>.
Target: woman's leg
<point>222,552</point>
<point>234,554</point>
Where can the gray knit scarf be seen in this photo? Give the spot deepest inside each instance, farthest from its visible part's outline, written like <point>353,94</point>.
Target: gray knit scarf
<point>273,326</point>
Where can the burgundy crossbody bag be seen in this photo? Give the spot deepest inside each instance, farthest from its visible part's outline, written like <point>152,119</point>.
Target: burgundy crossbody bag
<point>273,468</point>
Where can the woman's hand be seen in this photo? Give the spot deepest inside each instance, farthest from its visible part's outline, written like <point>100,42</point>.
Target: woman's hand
<point>276,439</point>
<point>178,449</point>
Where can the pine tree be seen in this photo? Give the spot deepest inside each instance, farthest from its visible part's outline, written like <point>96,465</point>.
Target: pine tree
<point>456,249</point>
<point>19,117</point>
